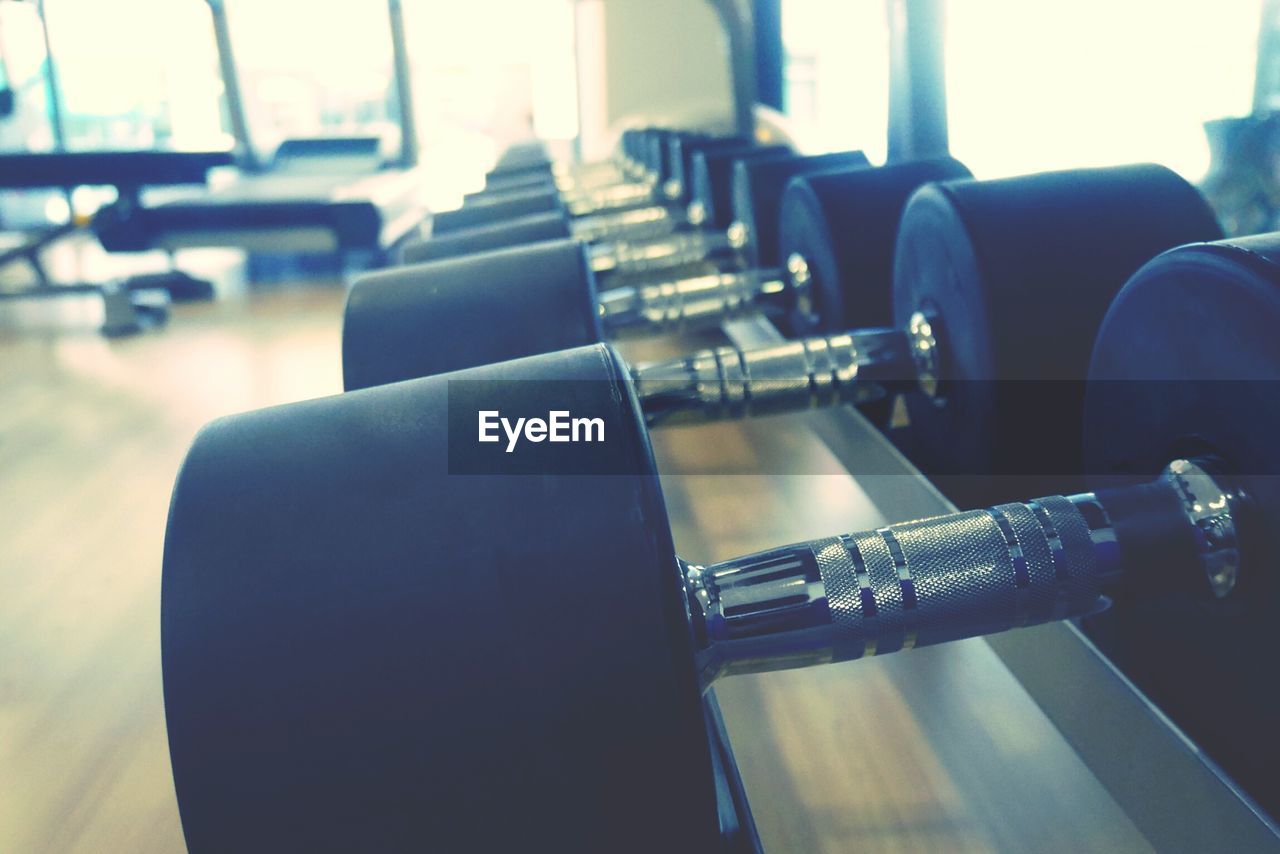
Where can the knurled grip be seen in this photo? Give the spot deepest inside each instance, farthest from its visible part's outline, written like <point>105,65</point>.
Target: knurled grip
<point>973,573</point>
<point>840,579</point>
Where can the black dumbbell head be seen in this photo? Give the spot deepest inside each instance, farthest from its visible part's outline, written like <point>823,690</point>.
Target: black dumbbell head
<point>496,193</point>
<point>524,202</point>
<point>513,182</point>
<point>442,316</point>
<point>671,150</point>
<point>757,188</point>
<point>626,142</point>
<point>843,226</point>
<point>683,150</point>
<point>713,179</point>
<point>527,154</point>
<point>1015,276</point>
<point>1187,364</point>
<point>520,231</point>
<point>365,650</point>
<point>1205,318</point>
<point>517,174</point>
<point>654,153</point>
<point>635,143</point>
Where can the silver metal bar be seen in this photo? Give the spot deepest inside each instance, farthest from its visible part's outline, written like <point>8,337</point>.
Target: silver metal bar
<point>688,303</point>
<point>917,80</point>
<point>587,177</point>
<point>737,17</point>
<point>1111,727</point>
<point>647,256</point>
<point>52,90</point>
<point>949,577</point>
<point>404,85</point>
<point>601,200</point>
<point>895,588</point>
<point>234,94</point>
<point>729,382</point>
<point>634,224</point>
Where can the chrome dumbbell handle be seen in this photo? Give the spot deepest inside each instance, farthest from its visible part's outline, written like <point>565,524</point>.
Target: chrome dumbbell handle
<point>730,382</point>
<point>673,189</point>
<point>606,199</point>
<point>956,576</point>
<point>590,176</point>
<point>642,223</point>
<point>690,303</point>
<point>647,256</point>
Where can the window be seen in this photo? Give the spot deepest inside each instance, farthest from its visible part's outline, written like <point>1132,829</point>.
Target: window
<point>1036,86</point>
<point>136,73</point>
<point>836,74</point>
<point>309,69</point>
<point>24,69</point>
<point>487,73</point>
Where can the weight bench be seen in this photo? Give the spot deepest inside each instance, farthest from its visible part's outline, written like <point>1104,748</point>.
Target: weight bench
<point>329,195</point>
<point>131,304</point>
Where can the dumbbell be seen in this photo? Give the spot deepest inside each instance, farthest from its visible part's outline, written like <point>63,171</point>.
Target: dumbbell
<point>392,326</point>
<point>534,167</point>
<point>524,154</point>
<point>638,240</point>
<point>650,156</point>
<point>632,161</point>
<point>701,182</point>
<point>640,184</point>
<point>659,158</point>
<point>542,186</point>
<point>552,175</point>
<point>1001,280</point>
<point>374,640</point>
<point>756,183</point>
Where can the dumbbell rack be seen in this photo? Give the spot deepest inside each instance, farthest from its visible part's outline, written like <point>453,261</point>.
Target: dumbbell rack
<point>1092,730</point>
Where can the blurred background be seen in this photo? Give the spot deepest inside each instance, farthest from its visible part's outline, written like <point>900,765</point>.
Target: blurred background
<point>313,141</point>
<point>1096,82</point>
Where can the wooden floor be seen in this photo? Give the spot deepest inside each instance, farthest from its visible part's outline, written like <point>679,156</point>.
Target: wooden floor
<point>91,435</point>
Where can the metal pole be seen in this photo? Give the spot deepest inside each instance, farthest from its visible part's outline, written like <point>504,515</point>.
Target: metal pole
<point>770,53</point>
<point>917,80</point>
<point>404,88</point>
<point>577,77</point>
<point>52,90</point>
<point>739,27</point>
<point>247,154</point>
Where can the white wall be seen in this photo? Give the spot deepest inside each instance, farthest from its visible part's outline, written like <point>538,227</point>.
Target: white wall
<point>650,61</point>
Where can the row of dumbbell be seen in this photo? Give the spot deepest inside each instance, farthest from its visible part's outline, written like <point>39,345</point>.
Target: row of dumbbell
<point>881,291</point>
<point>673,204</point>
<point>378,631</point>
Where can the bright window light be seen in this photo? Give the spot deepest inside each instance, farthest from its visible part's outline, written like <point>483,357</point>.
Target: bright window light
<point>836,74</point>
<point>129,84</point>
<point>1037,86</point>
<point>311,69</point>
<point>487,73</point>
